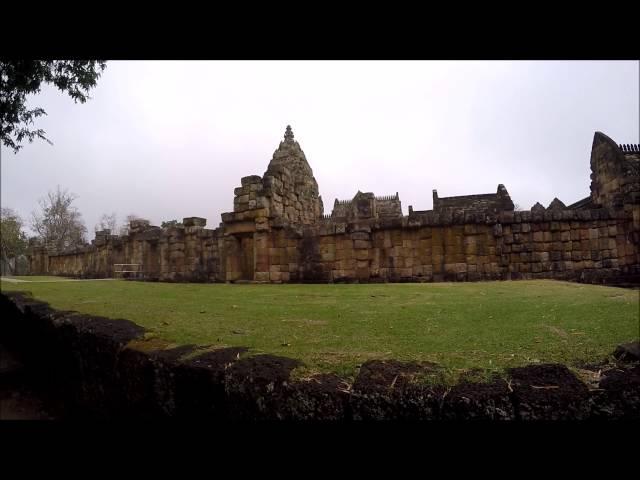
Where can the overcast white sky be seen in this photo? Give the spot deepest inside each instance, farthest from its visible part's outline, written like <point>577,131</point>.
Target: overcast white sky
<point>171,139</point>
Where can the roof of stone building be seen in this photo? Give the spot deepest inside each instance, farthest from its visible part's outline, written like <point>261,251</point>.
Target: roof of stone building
<point>632,155</point>
<point>341,208</point>
<point>476,202</point>
<point>556,204</point>
<point>586,202</point>
<point>629,148</point>
<point>629,151</point>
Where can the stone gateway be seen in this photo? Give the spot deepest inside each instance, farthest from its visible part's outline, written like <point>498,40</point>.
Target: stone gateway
<point>278,232</point>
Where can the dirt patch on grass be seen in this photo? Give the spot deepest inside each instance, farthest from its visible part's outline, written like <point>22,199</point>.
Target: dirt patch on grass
<point>305,321</point>
<point>558,331</point>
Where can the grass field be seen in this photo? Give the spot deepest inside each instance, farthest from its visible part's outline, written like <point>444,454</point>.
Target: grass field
<point>487,325</point>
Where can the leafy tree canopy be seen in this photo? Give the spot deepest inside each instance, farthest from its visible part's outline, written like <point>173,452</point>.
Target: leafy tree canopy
<point>59,223</point>
<point>107,222</point>
<point>19,78</point>
<point>13,241</point>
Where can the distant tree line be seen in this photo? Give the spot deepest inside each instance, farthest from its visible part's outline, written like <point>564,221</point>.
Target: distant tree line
<point>56,223</point>
<point>13,240</point>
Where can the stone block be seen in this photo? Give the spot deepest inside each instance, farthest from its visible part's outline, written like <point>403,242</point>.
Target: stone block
<point>328,257</point>
<point>245,181</point>
<point>360,236</point>
<point>275,276</point>
<point>424,233</point>
<point>406,272</point>
<point>470,229</point>
<point>362,273</point>
<point>362,254</point>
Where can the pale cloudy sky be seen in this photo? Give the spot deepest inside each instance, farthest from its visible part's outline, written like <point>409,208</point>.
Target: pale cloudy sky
<point>171,139</point>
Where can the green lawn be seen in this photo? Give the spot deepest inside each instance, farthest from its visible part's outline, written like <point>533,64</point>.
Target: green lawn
<point>487,325</point>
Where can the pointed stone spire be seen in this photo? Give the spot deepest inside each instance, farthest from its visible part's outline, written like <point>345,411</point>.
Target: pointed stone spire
<point>538,207</point>
<point>556,204</point>
<point>288,134</point>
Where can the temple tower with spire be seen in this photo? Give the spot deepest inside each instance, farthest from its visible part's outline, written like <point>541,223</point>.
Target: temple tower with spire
<point>285,197</point>
<point>290,186</point>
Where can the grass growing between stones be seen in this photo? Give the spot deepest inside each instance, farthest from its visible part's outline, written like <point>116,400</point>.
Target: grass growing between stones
<point>334,328</point>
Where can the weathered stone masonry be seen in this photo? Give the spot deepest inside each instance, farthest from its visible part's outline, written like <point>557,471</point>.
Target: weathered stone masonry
<point>278,232</point>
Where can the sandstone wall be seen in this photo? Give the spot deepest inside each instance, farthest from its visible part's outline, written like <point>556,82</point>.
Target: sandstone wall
<point>589,245</point>
<point>278,233</point>
<point>188,253</point>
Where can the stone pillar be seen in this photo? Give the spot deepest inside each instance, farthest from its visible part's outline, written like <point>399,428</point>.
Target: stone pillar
<point>232,254</point>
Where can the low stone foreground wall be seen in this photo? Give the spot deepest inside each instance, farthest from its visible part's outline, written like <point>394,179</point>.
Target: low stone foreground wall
<point>104,369</point>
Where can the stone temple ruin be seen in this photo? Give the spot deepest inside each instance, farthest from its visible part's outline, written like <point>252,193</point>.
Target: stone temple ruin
<point>278,232</point>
